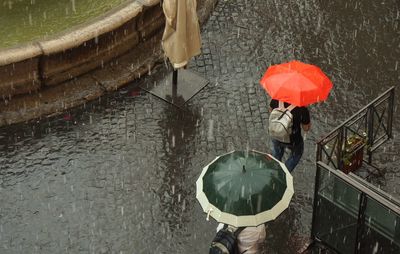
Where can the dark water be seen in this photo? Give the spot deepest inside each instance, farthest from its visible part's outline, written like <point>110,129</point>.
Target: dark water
<point>118,175</point>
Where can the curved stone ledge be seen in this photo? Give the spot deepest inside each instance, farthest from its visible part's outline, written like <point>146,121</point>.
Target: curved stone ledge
<point>49,76</point>
<point>99,26</point>
<point>20,53</point>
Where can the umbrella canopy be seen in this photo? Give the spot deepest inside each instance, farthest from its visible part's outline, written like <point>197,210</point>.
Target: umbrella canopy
<point>181,39</point>
<point>244,188</point>
<point>296,83</point>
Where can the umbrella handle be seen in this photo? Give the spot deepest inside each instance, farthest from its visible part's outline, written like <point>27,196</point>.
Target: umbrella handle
<point>208,214</point>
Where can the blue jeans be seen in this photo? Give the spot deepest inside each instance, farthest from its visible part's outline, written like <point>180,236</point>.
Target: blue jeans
<point>296,151</point>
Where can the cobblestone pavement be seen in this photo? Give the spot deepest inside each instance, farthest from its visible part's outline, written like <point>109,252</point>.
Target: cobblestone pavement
<point>118,175</point>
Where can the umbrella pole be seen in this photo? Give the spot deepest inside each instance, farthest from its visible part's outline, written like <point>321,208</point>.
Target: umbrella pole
<point>174,84</point>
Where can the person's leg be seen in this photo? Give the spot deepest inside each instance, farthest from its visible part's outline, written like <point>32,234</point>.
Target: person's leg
<point>296,151</point>
<point>277,149</point>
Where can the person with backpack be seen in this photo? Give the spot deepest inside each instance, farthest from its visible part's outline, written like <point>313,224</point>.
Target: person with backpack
<point>285,124</point>
<point>243,240</point>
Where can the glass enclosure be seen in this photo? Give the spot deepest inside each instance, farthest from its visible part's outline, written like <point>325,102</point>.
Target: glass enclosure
<point>351,218</point>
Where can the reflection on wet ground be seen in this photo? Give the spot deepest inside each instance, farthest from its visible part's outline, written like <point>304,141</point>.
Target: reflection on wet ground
<point>118,175</point>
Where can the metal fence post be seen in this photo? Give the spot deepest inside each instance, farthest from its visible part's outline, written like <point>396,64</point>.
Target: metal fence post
<point>340,145</point>
<point>316,187</point>
<point>390,113</point>
<point>370,130</point>
<point>319,151</point>
<point>360,221</point>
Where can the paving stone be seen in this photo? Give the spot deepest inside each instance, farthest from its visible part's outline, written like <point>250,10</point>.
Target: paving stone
<point>130,160</point>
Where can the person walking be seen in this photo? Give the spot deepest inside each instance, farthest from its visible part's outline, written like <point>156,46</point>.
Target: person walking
<point>300,120</point>
<point>250,240</point>
<point>297,84</point>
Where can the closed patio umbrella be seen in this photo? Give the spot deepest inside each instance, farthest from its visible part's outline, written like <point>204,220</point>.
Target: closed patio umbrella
<point>181,39</point>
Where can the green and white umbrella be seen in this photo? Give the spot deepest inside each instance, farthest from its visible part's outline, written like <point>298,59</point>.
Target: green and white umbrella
<point>244,188</point>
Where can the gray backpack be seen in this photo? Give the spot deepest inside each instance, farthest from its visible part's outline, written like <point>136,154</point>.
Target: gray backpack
<point>281,123</point>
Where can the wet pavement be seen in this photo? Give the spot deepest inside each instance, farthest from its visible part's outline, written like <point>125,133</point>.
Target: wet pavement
<point>118,175</point>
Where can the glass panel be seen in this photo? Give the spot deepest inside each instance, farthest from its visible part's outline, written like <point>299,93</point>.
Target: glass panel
<point>336,213</point>
<point>382,230</point>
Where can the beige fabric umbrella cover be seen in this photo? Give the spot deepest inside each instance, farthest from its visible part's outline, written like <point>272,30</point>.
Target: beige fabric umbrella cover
<point>181,39</point>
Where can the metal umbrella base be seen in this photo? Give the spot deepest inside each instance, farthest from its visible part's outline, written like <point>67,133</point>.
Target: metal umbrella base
<point>187,84</point>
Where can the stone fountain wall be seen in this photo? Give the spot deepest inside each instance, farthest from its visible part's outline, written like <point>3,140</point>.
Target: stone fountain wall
<point>46,77</point>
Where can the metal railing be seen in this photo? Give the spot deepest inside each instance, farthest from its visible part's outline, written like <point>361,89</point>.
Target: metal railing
<point>372,124</point>
<point>351,215</point>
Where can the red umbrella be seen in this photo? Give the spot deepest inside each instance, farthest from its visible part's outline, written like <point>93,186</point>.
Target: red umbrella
<point>296,83</point>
